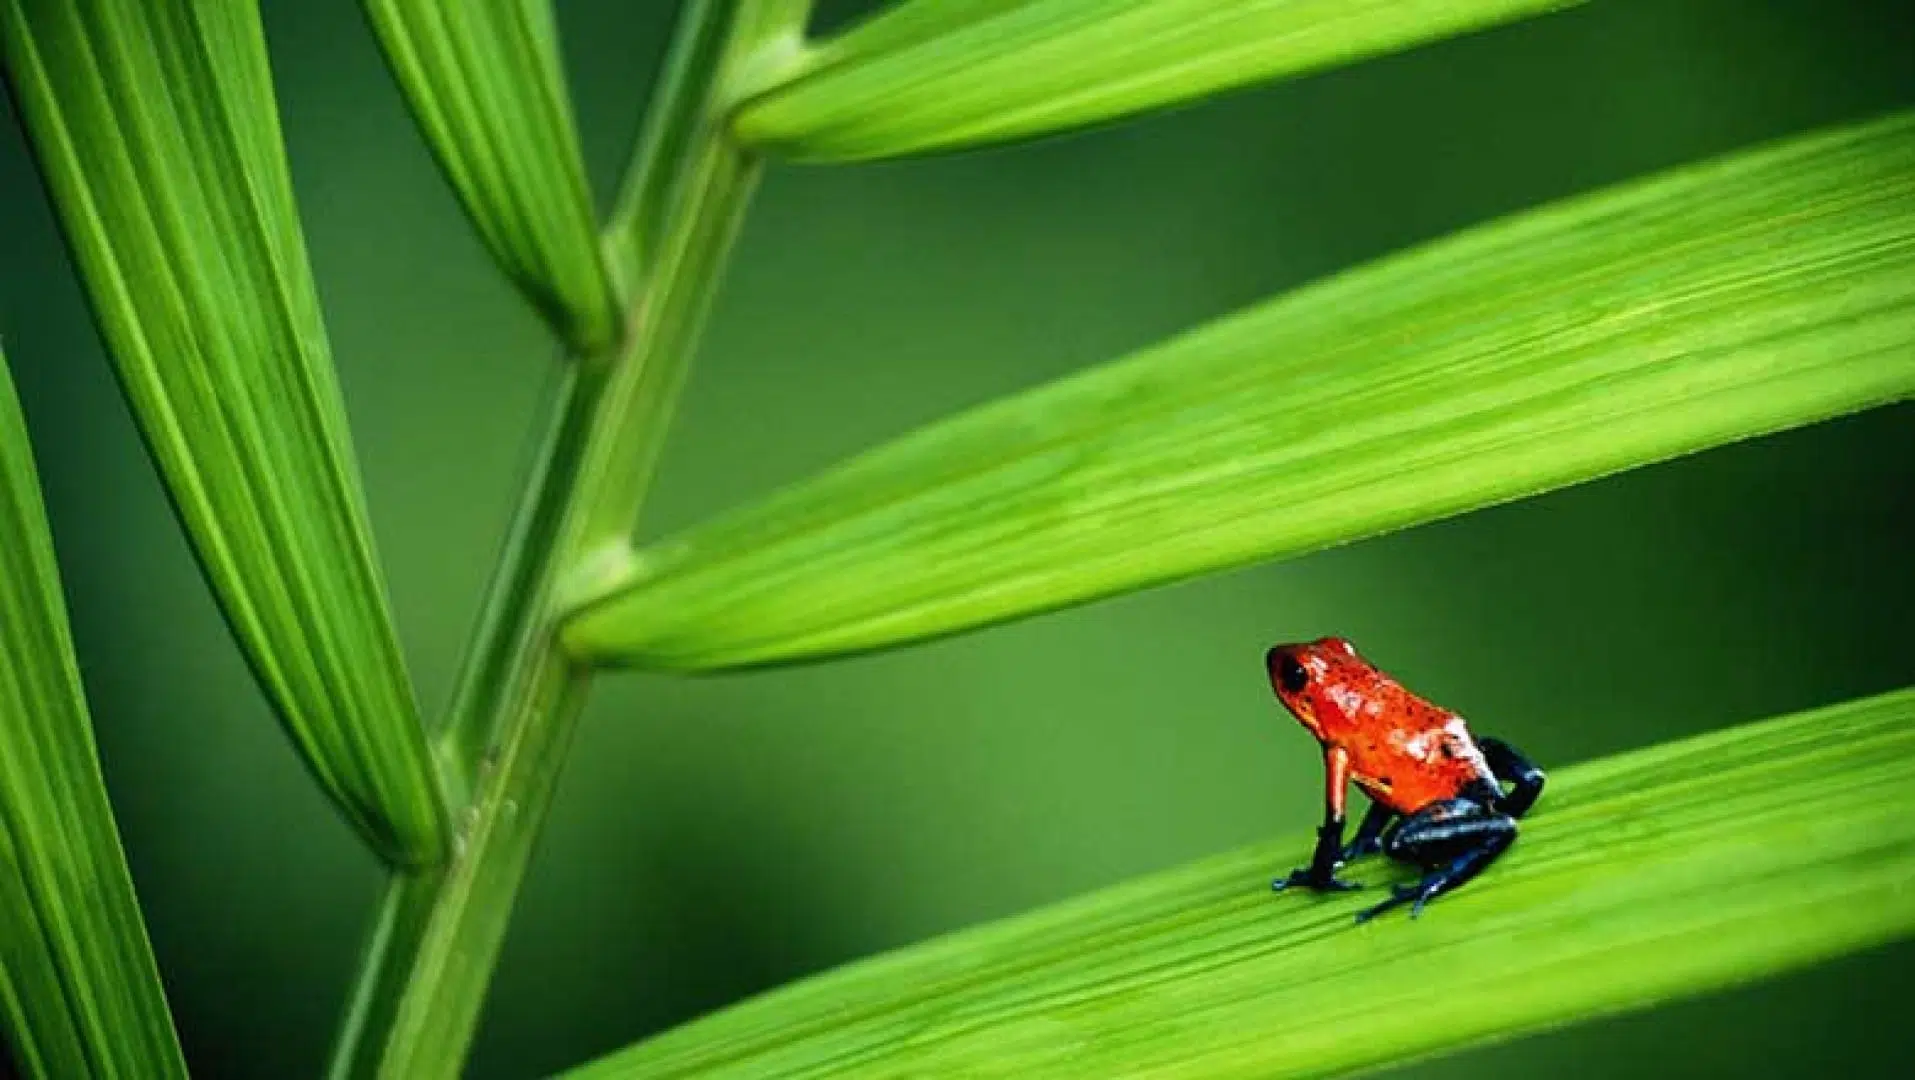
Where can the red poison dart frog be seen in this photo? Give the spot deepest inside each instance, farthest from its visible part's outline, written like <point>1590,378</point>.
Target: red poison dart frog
<point>1437,799</point>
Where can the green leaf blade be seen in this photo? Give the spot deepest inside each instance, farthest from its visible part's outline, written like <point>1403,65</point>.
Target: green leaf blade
<point>156,132</point>
<point>1766,290</point>
<point>80,993</point>
<point>487,86</point>
<point>942,74</point>
<point>1652,875</point>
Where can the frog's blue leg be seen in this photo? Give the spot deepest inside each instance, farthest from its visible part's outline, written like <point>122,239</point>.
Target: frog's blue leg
<point>1321,873</point>
<point>1511,767</point>
<point>1369,835</point>
<point>1452,840</point>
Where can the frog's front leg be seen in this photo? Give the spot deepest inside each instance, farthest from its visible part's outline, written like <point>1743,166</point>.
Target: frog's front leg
<point>1321,874</point>
<point>1452,840</point>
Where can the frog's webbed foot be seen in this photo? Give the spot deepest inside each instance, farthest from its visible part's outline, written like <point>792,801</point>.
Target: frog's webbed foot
<point>1453,841</point>
<point>1310,878</point>
<point>1321,874</point>
<point>1399,895</point>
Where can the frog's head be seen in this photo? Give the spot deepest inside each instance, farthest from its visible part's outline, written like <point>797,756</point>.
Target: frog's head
<point>1315,679</point>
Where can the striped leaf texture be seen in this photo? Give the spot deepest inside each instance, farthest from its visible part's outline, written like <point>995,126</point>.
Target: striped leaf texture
<point>79,992</point>
<point>1637,879</point>
<point>1769,289</point>
<point>928,75</point>
<point>156,132</point>
<point>487,87</point>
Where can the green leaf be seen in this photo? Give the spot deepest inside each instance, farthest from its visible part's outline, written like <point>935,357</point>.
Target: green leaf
<point>938,74</point>
<point>1770,289</point>
<point>1652,875</point>
<point>79,991</point>
<point>487,86</point>
<point>155,129</point>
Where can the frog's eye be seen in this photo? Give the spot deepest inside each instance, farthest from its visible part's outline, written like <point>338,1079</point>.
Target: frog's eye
<point>1291,675</point>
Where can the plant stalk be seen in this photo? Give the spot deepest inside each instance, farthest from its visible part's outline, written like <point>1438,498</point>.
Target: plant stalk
<point>428,962</point>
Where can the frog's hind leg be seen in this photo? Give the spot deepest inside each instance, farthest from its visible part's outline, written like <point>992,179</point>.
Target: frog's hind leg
<point>1452,841</point>
<point>1512,768</point>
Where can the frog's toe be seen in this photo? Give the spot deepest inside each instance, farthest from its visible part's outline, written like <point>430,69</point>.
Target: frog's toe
<point>1399,895</point>
<point>1311,880</point>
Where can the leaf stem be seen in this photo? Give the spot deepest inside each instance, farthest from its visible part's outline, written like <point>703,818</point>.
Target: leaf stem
<point>428,962</point>
<point>502,644</point>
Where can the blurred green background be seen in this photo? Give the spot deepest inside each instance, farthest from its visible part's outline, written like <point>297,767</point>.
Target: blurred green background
<point>717,837</point>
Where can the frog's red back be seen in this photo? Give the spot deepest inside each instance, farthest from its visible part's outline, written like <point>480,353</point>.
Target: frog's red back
<point>1404,751</point>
